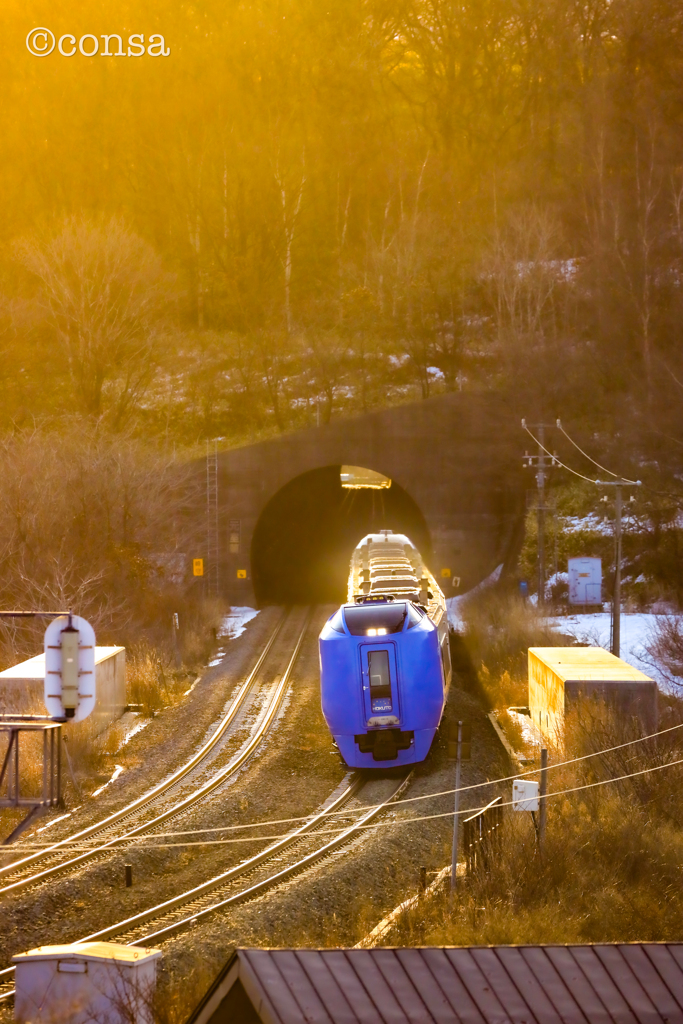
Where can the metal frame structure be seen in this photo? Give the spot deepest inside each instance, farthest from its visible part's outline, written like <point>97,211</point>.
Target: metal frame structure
<point>212,575</point>
<point>10,773</point>
<point>480,833</point>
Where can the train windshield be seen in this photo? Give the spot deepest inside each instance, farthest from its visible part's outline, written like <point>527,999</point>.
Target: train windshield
<point>375,619</point>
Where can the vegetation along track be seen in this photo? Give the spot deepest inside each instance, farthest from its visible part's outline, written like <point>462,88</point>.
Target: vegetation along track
<point>116,828</point>
<point>307,845</point>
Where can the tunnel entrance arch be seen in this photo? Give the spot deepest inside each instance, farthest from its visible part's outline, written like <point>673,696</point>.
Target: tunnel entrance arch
<point>304,536</point>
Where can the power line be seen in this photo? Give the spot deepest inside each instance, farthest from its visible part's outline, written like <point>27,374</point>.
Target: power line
<point>587,456</point>
<point>541,508</point>
<point>618,483</point>
<point>555,459</point>
<point>404,800</point>
<point>400,821</point>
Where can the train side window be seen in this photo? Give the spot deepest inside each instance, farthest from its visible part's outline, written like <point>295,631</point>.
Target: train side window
<point>446,657</point>
<point>337,621</point>
<point>378,670</point>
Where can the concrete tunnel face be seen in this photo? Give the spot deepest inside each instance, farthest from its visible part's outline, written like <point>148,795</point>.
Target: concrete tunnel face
<point>306,533</point>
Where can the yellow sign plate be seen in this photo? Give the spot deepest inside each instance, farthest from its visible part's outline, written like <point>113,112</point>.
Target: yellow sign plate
<point>197,566</point>
<point>241,574</point>
<point>446,573</point>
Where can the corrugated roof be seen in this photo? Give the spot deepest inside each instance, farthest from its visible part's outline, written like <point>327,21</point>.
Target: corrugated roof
<point>639,983</point>
<point>587,663</point>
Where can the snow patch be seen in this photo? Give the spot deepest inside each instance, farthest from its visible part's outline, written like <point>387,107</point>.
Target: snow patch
<point>235,623</point>
<point>232,626</point>
<point>117,771</point>
<point>135,728</point>
<point>55,820</point>
<point>454,604</point>
<point>530,733</point>
<point>637,630</point>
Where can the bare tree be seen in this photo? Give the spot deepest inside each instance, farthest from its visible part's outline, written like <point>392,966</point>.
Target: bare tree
<point>102,291</point>
<point>525,278</point>
<point>290,203</point>
<point>82,521</point>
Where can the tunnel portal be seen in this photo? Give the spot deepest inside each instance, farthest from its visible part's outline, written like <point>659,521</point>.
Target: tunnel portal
<point>304,537</point>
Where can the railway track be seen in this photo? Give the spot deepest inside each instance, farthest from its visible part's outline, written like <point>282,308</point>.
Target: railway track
<point>308,845</point>
<point>160,804</point>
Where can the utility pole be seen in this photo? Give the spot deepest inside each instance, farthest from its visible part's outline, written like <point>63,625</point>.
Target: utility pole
<point>456,813</point>
<point>212,517</point>
<point>616,597</point>
<point>616,605</point>
<point>542,793</point>
<point>540,514</point>
<point>542,462</point>
<point>463,752</point>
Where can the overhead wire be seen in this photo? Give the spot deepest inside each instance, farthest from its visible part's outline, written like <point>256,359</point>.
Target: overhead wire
<point>587,456</point>
<point>555,458</point>
<point>471,811</point>
<point>395,803</point>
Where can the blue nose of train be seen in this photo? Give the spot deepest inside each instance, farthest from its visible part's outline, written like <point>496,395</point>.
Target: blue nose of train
<point>382,693</point>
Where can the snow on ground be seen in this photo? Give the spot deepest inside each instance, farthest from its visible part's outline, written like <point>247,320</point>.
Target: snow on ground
<point>132,724</point>
<point>118,768</point>
<point>55,820</point>
<point>235,623</point>
<point>530,734</point>
<point>232,626</point>
<point>453,604</point>
<point>637,629</point>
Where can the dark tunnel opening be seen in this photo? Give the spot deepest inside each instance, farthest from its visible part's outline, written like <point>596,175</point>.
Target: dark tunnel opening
<point>305,535</point>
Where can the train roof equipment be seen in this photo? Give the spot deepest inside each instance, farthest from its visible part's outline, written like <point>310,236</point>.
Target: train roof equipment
<point>389,564</point>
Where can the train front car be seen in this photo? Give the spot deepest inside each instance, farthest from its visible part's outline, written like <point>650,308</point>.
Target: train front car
<point>384,658</point>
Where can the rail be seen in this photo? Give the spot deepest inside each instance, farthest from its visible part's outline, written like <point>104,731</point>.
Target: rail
<point>204,899</point>
<point>266,720</point>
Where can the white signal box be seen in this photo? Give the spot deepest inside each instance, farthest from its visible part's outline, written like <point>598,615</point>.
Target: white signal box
<point>70,668</point>
<point>585,580</point>
<point>524,795</point>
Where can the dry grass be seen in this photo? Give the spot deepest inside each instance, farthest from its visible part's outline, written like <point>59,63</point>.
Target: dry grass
<point>499,629</point>
<point>609,869</point>
<point>153,683</point>
<point>512,730</point>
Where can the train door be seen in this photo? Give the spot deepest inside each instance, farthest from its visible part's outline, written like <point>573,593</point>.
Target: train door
<point>380,681</point>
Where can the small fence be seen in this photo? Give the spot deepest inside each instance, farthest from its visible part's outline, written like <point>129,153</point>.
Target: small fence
<point>481,834</point>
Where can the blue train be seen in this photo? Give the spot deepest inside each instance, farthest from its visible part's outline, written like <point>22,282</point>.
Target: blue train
<point>385,665</point>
